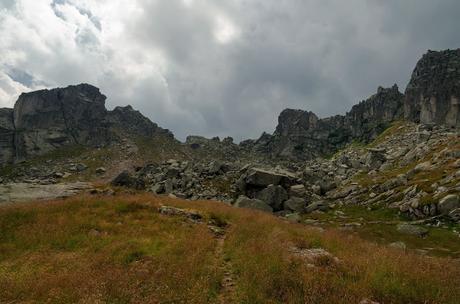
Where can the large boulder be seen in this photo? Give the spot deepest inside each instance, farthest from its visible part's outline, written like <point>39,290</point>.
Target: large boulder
<point>263,178</point>
<point>245,202</point>
<point>125,179</point>
<point>274,196</point>
<point>295,204</point>
<point>449,203</point>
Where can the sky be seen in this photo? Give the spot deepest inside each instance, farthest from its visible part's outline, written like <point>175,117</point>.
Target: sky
<point>220,68</point>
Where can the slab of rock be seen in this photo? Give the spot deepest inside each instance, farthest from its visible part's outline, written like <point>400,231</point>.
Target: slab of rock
<point>264,178</point>
<point>297,191</point>
<point>20,192</point>
<point>448,203</point>
<point>318,205</point>
<point>412,230</point>
<point>245,202</point>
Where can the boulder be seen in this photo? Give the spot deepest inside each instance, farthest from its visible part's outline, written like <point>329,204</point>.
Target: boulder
<point>125,179</point>
<point>448,203</point>
<point>318,205</point>
<point>274,196</point>
<point>412,230</point>
<point>297,191</point>
<point>263,178</point>
<point>295,204</point>
<point>245,202</point>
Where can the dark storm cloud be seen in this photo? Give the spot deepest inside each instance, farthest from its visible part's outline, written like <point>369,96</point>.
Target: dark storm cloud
<point>229,67</point>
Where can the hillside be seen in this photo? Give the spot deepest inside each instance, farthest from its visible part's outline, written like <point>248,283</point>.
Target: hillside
<point>139,249</point>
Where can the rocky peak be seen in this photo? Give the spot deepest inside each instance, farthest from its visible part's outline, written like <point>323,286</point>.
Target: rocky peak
<point>134,122</point>
<point>291,122</point>
<point>45,120</point>
<point>433,93</point>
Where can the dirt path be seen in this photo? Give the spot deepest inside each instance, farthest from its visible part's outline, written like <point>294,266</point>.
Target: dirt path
<point>228,292</point>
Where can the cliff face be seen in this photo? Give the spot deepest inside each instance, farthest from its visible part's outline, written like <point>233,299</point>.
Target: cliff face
<point>46,120</point>
<point>433,93</point>
<point>432,97</point>
<point>302,135</point>
<point>7,150</point>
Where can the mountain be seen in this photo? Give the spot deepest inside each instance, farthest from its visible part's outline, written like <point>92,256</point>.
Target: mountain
<point>46,120</point>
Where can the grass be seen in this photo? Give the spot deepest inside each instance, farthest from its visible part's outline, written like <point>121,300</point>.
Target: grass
<point>121,250</point>
<point>379,225</point>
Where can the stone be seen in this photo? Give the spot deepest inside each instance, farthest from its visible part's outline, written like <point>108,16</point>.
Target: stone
<point>81,167</point>
<point>412,230</point>
<point>448,203</point>
<point>245,202</point>
<point>318,205</point>
<point>173,211</point>
<point>295,204</point>
<point>455,215</point>
<point>274,196</point>
<point>125,179</point>
<point>264,178</point>
<point>297,191</point>
<point>293,217</point>
<point>101,170</point>
<point>158,188</point>
<point>398,245</point>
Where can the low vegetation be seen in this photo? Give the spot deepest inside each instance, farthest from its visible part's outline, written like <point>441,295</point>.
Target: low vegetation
<point>120,249</point>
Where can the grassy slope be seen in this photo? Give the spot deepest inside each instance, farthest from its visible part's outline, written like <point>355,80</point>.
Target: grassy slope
<point>121,250</point>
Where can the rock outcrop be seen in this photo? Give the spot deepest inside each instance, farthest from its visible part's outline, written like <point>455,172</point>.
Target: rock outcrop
<point>7,150</point>
<point>48,119</point>
<point>45,120</point>
<point>302,135</point>
<point>433,93</point>
<point>134,122</point>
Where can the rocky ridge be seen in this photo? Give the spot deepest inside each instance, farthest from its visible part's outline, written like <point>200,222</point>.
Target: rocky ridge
<point>46,120</point>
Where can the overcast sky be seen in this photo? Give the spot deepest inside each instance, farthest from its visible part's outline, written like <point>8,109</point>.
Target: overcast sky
<point>215,67</point>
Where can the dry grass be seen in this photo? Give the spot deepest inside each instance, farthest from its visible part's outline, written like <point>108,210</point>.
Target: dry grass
<point>121,250</point>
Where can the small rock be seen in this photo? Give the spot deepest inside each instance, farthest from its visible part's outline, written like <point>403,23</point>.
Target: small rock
<point>412,230</point>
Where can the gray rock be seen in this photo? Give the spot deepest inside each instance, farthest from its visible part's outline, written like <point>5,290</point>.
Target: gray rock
<point>125,179</point>
<point>245,202</point>
<point>264,178</point>
<point>295,204</point>
<point>293,217</point>
<point>318,205</point>
<point>448,203</point>
<point>432,95</point>
<point>412,230</point>
<point>158,188</point>
<point>274,196</point>
<point>297,191</point>
<point>398,245</point>
<point>100,170</point>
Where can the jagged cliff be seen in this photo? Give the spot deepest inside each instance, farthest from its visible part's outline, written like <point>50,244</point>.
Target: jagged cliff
<point>302,135</point>
<point>46,120</point>
<point>433,93</point>
<point>431,97</point>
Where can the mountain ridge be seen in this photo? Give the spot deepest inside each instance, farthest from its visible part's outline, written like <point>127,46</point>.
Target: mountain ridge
<point>45,120</point>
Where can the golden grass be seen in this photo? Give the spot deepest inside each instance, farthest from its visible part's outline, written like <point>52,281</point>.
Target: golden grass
<point>121,250</point>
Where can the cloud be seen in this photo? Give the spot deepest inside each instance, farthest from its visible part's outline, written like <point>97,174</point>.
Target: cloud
<point>220,67</point>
